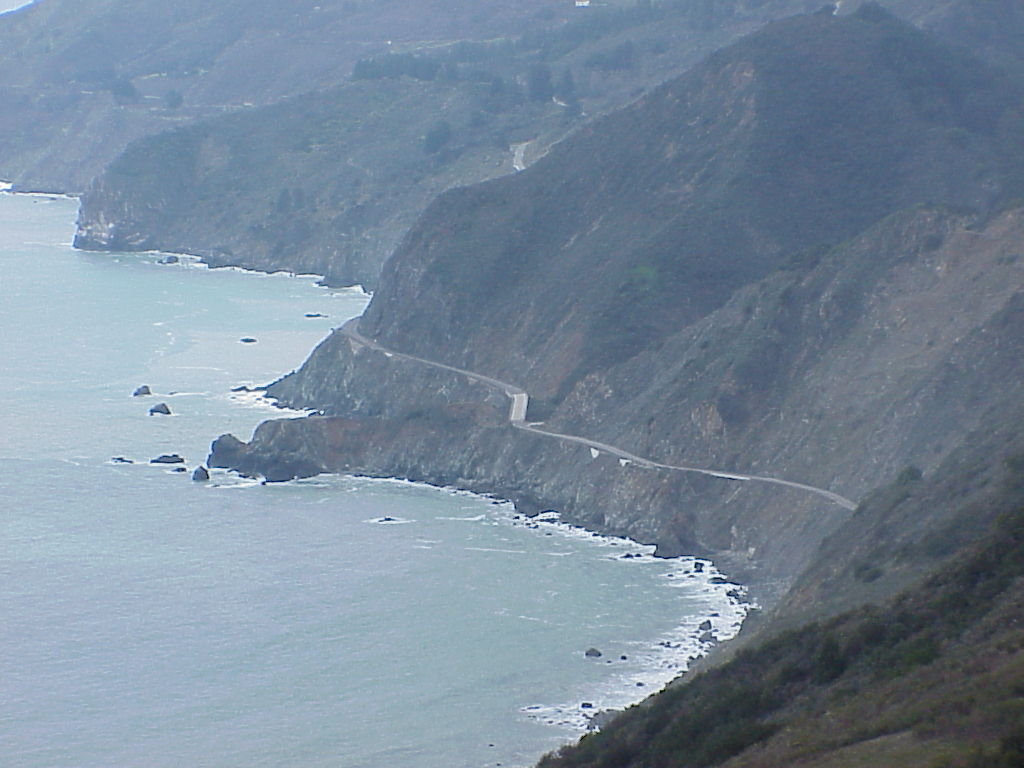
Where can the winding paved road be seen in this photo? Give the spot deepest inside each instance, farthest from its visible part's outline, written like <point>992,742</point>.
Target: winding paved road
<point>517,418</point>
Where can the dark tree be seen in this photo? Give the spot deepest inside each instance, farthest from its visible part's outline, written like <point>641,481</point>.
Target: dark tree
<point>538,83</point>
<point>440,133</point>
<point>566,87</point>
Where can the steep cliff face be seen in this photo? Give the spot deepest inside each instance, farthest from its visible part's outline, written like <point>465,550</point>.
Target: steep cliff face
<point>931,677</point>
<point>881,355</point>
<point>323,184</point>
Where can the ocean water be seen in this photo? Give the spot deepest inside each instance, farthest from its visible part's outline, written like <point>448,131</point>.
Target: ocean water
<point>147,620</point>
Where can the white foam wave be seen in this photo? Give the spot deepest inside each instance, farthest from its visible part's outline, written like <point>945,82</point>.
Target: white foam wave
<point>222,479</point>
<point>41,195</point>
<point>647,667</point>
<point>254,398</point>
<point>389,521</point>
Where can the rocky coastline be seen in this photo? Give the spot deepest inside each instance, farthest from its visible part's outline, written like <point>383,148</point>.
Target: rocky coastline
<point>835,364</point>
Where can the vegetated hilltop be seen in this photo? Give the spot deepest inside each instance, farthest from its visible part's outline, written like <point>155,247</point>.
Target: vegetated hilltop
<point>80,79</point>
<point>330,182</point>
<point>800,260</point>
<point>990,28</point>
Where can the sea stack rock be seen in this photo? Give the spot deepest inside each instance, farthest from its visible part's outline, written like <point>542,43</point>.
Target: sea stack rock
<point>200,474</point>
<point>142,391</point>
<point>161,409</point>
<point>227,452</point>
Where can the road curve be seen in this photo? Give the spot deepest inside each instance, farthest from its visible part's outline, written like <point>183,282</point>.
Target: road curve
<point>517,418</point>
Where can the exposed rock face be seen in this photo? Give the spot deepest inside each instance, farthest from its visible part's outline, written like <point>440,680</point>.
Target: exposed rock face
<point>160,409</point>
<point>741,297</point>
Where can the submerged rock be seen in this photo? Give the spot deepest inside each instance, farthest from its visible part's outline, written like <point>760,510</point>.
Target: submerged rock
<point>121,460</point>
<point>593,653</point>
<point>161,409</point>
<point>247,340</point>
<point>167,458</point>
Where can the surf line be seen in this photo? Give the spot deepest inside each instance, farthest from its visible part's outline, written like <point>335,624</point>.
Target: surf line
<point>520,401</point>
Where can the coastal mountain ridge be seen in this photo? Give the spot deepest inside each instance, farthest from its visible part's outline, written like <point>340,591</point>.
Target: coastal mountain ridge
<point>688,337</point>
<point>801,260</point>
<point>795,138</point>
<point>81,79</point>
<point>329,182</point>
<point>799,257</point>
